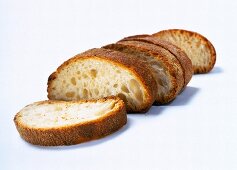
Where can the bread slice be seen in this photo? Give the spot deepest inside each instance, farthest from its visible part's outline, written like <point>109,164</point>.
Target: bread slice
<point>198,48</point>
<point>181,56</point>
<point>166,69</point>
<point>52,123</point>
<point>99,73</point>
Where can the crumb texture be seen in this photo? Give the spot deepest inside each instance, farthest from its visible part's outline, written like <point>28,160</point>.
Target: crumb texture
<point>93,78</point>
<point>58,115</point>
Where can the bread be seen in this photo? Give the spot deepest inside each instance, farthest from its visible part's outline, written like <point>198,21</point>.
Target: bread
<point>181,56</point>
<point>165,67</point>
<point>53,123</point>
<point>198,48</point>
<point>99,73</point>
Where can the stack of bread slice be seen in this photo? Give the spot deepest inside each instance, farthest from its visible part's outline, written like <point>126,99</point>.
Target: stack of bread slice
<point>167,69</point>
<point>139,70</point>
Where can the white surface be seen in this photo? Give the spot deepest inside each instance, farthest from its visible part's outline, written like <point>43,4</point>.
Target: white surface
<point>197,131</point>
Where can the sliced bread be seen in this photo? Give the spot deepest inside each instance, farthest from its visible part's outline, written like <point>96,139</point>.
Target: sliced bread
<point>198,48</point>
<point>53,123</point>
<point>181,56</point>
<point>166,69</point>
<point>99,73</point>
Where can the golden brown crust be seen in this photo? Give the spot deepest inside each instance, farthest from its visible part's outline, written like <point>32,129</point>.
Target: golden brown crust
<point>199,37</point>
<point>176,76</point>
<point>137,67</point>
<point>182,57</point>
<point>76,133</point>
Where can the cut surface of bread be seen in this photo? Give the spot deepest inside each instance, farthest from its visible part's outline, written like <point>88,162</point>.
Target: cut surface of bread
<point>52,123</point>
<point>100,73</point>
<point>168,75</point>
<point>181,56</point>
<point>198,48</point>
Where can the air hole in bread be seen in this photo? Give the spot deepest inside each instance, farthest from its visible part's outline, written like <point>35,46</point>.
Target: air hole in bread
<point>85,76</point>
<point>73,81</point>
<point>64,116</point>
<point>96,91</point>
<point>70,94</point>
<point>115,85</point>
<point>198,44</point>
<point>125,89</point>
<point>78,72</point>
<point>107,91</point>
<point>134,86</point>
<point>93,73</point>
<point>138,95</point>
<point>64,81</point>
<point>85,93</point>
<point>79,78</point>
<point>118,71</point>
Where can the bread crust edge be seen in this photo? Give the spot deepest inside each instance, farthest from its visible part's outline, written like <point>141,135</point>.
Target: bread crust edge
<point>76,133</point>
<point>204,40</point>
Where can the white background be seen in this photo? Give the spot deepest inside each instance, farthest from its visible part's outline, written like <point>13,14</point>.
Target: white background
<point>197,131</point>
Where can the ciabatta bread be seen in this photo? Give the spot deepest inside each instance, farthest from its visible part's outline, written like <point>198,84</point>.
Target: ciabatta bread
<point>198,48</point>
<point>165,67</point>
<point>181,56</point>
<point>53,123</point>
<point>100,73</point>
